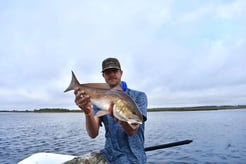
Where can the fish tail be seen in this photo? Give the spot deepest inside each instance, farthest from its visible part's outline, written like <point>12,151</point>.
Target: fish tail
<point>74,83</point>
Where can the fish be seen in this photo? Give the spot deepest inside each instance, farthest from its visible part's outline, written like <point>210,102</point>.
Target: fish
<point>105,98</point>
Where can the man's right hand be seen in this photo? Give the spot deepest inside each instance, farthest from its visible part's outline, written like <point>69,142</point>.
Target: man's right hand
<point>82,100</point>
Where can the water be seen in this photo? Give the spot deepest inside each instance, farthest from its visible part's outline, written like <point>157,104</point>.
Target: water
<point>218,136</point>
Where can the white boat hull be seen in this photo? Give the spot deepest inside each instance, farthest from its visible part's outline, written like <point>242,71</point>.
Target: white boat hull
<point>46,158</point>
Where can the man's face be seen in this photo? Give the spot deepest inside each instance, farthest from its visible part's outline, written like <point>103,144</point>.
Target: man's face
<point>112,76</point>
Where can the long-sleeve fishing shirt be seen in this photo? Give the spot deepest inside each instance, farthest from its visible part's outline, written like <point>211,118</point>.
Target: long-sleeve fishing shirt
<point>119,147</point>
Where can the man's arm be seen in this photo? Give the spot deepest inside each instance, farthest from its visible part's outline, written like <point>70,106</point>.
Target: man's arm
<point>91,121</point>
<point>92,124</point>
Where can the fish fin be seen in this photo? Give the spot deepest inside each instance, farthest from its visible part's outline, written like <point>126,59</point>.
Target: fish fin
<point>73,84</point>
<point>111,108</point>
<point>101,113</point>
<point>105,112</point>
<point>134,124</point>
<point>101,86</point>
<point>97,85</point>
<point>104,86</point>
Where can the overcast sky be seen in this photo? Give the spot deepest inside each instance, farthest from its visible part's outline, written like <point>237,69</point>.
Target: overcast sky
<point>180,53</point>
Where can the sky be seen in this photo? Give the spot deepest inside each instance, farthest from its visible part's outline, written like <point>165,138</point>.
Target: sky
<point>180,53</point>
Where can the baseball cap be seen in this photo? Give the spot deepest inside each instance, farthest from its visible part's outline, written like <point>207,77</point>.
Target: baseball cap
<point>110,63</point>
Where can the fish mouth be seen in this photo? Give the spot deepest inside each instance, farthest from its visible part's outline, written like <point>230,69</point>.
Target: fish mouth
<point>135,125</point>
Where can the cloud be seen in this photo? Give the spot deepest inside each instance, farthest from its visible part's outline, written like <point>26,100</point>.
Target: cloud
<point>179,53</point>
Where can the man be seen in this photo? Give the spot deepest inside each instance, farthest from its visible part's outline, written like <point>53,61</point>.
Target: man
<point>123,144</point>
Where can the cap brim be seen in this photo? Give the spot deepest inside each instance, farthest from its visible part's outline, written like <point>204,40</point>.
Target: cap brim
<point>107,68</point>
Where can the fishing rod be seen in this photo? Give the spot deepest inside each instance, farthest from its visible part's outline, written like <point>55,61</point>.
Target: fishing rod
<point>172,144</point>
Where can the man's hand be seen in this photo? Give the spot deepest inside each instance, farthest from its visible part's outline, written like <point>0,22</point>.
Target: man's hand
<point>127,128</point>
<point>83,101</point>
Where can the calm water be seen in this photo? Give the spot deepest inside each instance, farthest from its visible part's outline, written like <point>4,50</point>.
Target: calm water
<point>218,136</point>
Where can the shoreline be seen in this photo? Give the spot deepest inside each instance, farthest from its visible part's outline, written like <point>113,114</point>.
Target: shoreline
<point>160,109</point>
